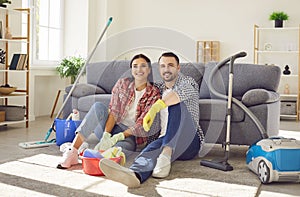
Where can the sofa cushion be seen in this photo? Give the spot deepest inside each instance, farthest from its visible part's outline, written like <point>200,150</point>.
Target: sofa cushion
<point>246,77</point>
<point>86,102</point>
<point>194,70</point>
<point>259,96</point>
<point>215,109</point>
<point>155,72</point>
<point>106,74</point>
<point>218,82</point>
<point>83,89</point>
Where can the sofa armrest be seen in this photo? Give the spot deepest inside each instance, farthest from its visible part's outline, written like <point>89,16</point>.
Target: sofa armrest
<point>83,89</point>
<point>259,96</point>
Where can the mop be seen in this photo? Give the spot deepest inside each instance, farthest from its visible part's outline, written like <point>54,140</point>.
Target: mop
<point>46,142</point>
<point>222,164</point>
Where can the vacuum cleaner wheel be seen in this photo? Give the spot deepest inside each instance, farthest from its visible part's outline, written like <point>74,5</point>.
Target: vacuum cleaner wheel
<point>263,172</point>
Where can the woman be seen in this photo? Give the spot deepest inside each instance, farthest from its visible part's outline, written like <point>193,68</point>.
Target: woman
<point>122,123</point>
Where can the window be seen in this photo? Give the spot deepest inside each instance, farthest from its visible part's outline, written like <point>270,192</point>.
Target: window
<point>47,31</point>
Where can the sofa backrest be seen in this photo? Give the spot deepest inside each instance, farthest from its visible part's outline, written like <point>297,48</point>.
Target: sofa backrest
<point>246,77</point>
<point>194,70</point>
<point>106,74</point>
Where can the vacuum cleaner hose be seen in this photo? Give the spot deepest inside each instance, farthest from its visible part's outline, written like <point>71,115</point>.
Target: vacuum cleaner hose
<point>236,101</point>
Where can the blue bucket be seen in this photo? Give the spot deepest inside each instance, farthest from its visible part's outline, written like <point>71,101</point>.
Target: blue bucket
<point>65,130</point>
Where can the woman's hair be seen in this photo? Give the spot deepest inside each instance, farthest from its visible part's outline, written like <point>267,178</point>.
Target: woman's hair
<point>141,56</point>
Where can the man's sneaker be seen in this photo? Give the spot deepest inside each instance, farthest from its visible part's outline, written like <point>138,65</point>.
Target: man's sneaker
<point>163,167</point>
<point>116,172</point>
<point>70,157</point>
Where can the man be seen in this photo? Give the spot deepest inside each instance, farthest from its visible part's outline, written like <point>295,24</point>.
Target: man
<point>181,136</point>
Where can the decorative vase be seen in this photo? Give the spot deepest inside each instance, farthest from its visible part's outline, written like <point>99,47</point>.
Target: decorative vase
<point>8,34</point>
<point>278,23</point>
<point>286,89</point>
<point>286,70</point>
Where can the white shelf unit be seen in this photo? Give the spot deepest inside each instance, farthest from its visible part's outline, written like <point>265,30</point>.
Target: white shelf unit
<point>13,17</point>
<point>280,46</point>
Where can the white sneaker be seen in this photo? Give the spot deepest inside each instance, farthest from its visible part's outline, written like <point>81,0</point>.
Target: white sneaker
<point>163,167</point>
<point>116,172</point>
<point>63,147</point>
<point>70,157</point>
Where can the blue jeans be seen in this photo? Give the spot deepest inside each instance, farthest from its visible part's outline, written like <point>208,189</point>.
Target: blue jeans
<point>95,121</point>
<point>181,136</point>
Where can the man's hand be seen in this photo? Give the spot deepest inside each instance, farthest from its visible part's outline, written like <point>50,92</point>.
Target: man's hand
<point>149,117</point>
<point>107,141</point>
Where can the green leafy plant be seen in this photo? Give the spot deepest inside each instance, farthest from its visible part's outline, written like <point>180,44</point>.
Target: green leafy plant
<point>279,16</point>
<point>70,67</point>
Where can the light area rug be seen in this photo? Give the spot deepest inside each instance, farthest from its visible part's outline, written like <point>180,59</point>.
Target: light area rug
<point>38,176</point>
<point>290,134</point>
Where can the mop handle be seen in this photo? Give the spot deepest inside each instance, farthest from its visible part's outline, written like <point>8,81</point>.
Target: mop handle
<point>83,68</point>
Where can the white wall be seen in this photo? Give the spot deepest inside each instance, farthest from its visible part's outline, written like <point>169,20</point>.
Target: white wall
<point>76,28</point>
<point>96,23</point>
<point>175,24</point>
<point>231,21</point>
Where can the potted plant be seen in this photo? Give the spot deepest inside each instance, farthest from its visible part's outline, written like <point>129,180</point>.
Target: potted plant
<point>70,67</point>
<point>278,17</point>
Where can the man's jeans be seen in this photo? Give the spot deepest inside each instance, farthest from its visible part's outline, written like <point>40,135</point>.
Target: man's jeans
<point>181,136</point>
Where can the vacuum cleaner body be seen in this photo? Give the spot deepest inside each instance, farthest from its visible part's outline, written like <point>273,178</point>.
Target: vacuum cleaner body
<point>275,159</point>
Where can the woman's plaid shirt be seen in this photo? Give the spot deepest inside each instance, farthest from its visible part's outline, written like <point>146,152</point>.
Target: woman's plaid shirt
<point>122,98</point>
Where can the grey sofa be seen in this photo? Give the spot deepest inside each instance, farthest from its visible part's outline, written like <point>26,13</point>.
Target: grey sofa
<point>254,85</point>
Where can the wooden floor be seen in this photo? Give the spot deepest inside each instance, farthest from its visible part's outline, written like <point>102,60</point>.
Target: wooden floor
<point>240,182</point>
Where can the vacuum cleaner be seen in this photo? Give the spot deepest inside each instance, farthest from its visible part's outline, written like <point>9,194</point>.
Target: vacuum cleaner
<point>275,159</point>
<point>46,142</point>
<point>222,163</point>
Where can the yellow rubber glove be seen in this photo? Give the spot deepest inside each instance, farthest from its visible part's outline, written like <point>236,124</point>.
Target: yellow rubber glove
<point>115,152</point>
<point>149,117</point>
<point>117,137</point>
<point>112,152</point>
<point>107,142</point>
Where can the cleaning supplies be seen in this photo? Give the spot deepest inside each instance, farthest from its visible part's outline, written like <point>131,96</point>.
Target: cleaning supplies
<point>74,115</point>
<point>92,154</point>
<point>91,159</point>
<point>113,152</point>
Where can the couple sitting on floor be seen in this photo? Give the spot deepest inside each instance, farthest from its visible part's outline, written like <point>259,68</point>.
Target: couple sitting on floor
<point>130,122</point>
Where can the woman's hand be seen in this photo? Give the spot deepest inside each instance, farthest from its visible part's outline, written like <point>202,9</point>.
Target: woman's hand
<point>107,141</point>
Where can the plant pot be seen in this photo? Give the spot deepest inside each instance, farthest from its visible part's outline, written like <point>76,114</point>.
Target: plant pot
<point>73,78</point>
<point>278,23</point>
